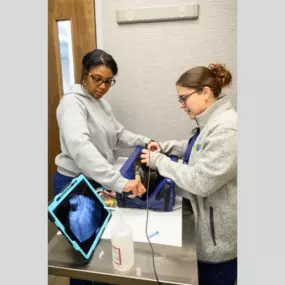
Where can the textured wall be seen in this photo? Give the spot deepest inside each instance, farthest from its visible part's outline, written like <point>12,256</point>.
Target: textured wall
<point>151,56</point>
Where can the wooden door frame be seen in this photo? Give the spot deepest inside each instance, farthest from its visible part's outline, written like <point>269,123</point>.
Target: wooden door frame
<point>81,14</point>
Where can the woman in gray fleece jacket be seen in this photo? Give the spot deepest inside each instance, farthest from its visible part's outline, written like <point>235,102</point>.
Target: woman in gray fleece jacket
<point>209,169</point>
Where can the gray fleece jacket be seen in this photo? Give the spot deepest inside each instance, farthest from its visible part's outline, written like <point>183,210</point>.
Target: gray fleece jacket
<point>210,178</point>
<point>89,138</point>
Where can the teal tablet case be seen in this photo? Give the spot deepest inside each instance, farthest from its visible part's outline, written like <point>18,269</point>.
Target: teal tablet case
<point>80,215</point>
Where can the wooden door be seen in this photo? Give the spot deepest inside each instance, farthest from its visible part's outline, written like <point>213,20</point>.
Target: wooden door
<point>80,16</point>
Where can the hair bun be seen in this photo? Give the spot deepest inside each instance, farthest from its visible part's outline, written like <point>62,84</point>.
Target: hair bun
<point>223,76</point>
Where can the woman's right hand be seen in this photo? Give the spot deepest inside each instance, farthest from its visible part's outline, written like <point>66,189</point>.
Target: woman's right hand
<point>154,146</point>
<point>135,187</point>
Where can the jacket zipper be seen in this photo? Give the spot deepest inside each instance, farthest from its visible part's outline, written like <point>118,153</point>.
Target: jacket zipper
<point>212,226</point>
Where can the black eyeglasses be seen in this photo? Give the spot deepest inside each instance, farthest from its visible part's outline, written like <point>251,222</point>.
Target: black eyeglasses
<point>97,80</point>
<point>182,99</point>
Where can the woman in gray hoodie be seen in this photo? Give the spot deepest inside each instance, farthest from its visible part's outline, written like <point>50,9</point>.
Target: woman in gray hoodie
<point>209,169</point>
<point>90,134</point>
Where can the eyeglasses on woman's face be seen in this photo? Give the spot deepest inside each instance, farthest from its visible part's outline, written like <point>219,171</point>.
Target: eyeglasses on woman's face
<point>98,81</point>
<point>183,98</point>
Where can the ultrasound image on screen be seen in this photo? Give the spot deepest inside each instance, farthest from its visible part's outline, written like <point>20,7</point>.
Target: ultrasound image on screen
<point>82,215</point>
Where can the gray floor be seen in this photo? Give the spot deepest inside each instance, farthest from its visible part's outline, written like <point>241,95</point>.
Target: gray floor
<point>55,280</point>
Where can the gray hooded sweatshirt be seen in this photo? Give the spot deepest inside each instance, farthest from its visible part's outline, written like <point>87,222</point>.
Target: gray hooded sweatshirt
<point>89,137</point>
<point>210,178</point>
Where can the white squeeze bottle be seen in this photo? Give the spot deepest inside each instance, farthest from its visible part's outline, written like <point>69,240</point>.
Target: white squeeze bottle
<point>122,245</point>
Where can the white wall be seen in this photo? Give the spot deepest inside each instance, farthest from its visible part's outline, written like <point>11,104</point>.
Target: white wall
<point>151,57</point>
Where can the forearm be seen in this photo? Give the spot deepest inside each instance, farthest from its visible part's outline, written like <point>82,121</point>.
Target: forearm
<point>129,139</point>
<point>176,148</point>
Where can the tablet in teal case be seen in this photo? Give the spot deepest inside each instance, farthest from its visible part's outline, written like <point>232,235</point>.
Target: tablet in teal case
<point>80,214</point>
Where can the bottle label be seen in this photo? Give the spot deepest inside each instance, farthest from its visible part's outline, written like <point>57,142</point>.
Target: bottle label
<point>116,253</point>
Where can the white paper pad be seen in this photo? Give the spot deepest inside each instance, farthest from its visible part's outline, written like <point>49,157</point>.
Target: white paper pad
<point>168,224</point>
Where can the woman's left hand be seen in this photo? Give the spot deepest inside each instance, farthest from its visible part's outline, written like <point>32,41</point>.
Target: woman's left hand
<point>154,146</point>
<point>145,156</point>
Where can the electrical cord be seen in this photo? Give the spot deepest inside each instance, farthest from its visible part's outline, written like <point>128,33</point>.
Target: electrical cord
<point>146,232</point>
<point>176,209</point>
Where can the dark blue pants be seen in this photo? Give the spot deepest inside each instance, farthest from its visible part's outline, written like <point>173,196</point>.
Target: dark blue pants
<point>217,273</point>
<point>59,182</point>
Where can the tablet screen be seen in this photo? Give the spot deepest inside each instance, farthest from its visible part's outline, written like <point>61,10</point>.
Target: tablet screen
<point>82,215</point>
